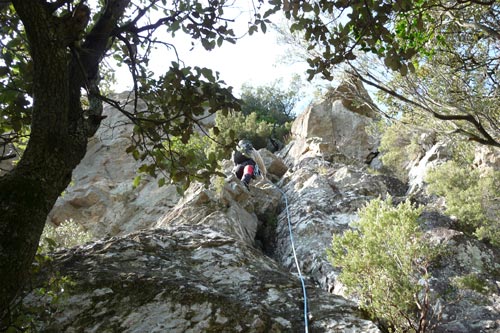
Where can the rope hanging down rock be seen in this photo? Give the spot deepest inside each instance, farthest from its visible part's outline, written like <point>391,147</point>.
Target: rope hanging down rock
<point>306,324</point>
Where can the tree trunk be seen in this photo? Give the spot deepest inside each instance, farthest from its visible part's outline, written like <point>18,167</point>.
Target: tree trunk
<point>57,143</point>
<point>59,129</point>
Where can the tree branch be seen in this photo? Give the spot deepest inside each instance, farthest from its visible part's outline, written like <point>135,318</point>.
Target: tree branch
<point>487,139</point>
<point>491,32</point>
<point>96,42</point>
<point>7,157</point>
<point>53,6</point>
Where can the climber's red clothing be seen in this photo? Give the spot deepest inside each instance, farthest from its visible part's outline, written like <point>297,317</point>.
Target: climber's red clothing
<point>244,167</point>
<point>248,170</point>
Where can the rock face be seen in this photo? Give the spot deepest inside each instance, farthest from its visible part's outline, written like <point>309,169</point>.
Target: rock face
<point>220,259</point>
<point>472,308</point>
<point>324,195</point>
<point>188,278</point>
<point>102,197</point>
<point>333,132</point>
<point>487,158</point>
<point>437,154</point>
<point>323,199</point>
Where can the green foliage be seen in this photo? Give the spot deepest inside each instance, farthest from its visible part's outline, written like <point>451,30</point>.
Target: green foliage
<point>404,140</point>
<point>471,196</point>
<point>184,94</point>
<point>394,31</point>
<point>384,262</point>
<point>189,161</point>
<point>272,104</point>
<point>458,83</point>
<point>163,132</point>
<point>472,282</point>
<point>188,155</point>
<point>399,146</point>
<point>65,235</point>
<point>446,69</point>
<point>16,80</point>
<point>45,298</point>
<point>236,126</point>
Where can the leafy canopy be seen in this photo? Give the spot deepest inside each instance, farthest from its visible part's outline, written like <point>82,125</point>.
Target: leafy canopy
<point>439,58</point>
<point>409,36</point>
<point>459,82</point>
<point>272,103</point>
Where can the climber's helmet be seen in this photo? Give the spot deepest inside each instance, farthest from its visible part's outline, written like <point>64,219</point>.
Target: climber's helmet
<point>244,146</point>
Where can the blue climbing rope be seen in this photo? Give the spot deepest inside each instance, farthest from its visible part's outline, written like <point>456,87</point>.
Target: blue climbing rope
<point>295,257</point>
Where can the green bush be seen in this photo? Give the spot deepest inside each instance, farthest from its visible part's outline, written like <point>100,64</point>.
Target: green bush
<point>471,281</point>
<point>236,126</point>
<point>399,146</point>
<point>470,196</point>
<point>247,127</point>
<point>384,264</point>
<point>67,234</point>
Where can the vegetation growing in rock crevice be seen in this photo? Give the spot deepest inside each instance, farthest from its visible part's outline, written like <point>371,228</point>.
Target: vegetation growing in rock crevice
<point>399,146</point>
<point>68,234</point>
<point>384,264</point>
<point>471,196</point>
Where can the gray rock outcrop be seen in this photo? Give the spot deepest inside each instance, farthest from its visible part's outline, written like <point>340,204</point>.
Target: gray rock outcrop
<point>188,278</point>
<point>333,132</point>
<point>102,197</point>
<point>323,200</point>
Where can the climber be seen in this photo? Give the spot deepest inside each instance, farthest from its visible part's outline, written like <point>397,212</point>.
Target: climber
<point>247,162</point>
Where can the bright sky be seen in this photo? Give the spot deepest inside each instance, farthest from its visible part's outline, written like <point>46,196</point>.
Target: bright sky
<point>253,59</point>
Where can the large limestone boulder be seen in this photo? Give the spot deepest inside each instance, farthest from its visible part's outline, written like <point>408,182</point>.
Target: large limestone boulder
<point>334,130</point>
<point>228,206</point>
<point>101,196</point>
<point>354,96</point>
<point>275,166</point>
<point>204,207</point>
